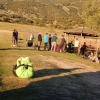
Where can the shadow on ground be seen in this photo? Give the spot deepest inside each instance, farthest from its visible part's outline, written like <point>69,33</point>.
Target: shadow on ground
<point>17,48</point>
<point>62,87</point>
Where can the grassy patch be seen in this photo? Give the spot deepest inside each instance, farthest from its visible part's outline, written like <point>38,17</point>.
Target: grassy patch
<point>50,81</point>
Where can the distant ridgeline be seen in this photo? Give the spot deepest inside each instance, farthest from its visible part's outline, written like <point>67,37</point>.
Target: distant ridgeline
<point>62,14</point>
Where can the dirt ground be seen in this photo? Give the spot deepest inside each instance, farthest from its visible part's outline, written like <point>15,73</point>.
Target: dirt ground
<point>70,81</point>
<point>79,69</point>
<point>64,81</point>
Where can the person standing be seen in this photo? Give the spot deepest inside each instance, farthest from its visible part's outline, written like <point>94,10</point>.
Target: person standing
<point>14,38</point>
<point>76,46</point>
<point>49,42</point>
<point>62,44</point>
<point>46,41</point>
<point>39,40</point>
<point>83,48</point>
<point>54,42</point>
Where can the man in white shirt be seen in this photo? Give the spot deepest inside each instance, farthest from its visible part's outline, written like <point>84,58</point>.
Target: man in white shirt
<point>76,46</point>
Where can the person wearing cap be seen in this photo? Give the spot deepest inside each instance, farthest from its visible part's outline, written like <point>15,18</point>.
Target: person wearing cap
<point>39,40</point>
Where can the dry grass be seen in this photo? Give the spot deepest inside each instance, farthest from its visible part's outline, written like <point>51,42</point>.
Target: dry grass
<point>58,76</point>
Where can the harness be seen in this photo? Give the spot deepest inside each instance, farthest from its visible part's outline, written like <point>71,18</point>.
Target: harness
<point>16,67</point>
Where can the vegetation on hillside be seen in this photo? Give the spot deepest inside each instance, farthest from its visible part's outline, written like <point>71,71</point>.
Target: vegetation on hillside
<point>59,14</point>
<point>91,14</point>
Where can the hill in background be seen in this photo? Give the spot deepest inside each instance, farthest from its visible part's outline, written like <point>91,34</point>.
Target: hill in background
<point>60,14</point>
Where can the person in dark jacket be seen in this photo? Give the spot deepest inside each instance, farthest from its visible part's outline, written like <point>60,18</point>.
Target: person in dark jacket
<point>14,41</point>
<point>39,40</point>
<point>49,42</point>
<point>16,37</point>
<point>62,44</point>
<point>83,48</point>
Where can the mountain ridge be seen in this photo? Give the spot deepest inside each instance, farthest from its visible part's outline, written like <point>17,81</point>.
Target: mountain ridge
<point>43,12</point>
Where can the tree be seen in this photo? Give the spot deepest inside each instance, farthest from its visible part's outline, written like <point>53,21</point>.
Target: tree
<point>91,14</point>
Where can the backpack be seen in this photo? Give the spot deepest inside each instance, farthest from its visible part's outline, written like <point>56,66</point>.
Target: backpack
<point>29,43</point>
<point>23,68</point>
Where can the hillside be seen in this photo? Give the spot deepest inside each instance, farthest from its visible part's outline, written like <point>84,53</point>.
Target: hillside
<point>59,14</point>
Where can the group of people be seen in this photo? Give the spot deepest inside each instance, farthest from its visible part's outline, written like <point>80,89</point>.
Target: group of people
<point>76,47</point>
<point>90,55</point>
<point>93,57</point>
<point>15,38</point>
<point>50,42</point>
